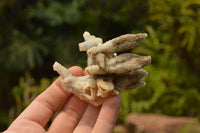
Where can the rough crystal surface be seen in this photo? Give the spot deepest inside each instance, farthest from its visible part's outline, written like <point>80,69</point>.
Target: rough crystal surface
<point>108,73</point>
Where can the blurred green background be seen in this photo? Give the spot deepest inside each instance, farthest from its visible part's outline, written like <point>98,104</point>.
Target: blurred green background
<point>35,33</point>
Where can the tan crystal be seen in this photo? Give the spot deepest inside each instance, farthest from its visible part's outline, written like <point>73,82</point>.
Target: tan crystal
<point>108,73</point>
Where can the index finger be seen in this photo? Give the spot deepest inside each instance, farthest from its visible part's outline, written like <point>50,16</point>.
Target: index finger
<point>48,102</point>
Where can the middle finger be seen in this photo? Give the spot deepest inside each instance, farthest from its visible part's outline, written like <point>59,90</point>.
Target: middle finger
<point>69,116</point>
<point>88,120</point>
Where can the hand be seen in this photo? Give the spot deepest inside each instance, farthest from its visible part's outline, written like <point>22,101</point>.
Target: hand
<point>75,115</point>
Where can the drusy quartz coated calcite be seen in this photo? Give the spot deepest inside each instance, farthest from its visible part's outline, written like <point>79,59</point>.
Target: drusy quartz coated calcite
<point>108,72</point>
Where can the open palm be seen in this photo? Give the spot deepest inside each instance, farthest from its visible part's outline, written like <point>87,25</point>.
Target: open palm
<point>75,115</point>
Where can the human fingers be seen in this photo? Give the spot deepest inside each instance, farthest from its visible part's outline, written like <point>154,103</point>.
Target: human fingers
<point>69,116</point>
<point>108,115</point>
<point>88,120</point>
<point>47,103</point>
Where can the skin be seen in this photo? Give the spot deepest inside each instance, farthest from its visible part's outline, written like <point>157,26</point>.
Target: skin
<point>75,115</point>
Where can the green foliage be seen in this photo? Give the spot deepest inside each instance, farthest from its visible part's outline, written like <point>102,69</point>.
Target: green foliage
<point>173,81</point>
<point>35,33</point>
<point>172,88</point>
<point>23,53</point>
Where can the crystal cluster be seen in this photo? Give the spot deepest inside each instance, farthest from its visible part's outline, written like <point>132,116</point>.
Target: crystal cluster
<point>108,72</point>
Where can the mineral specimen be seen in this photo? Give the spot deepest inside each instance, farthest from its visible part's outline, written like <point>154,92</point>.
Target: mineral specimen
<point>108,73</point>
